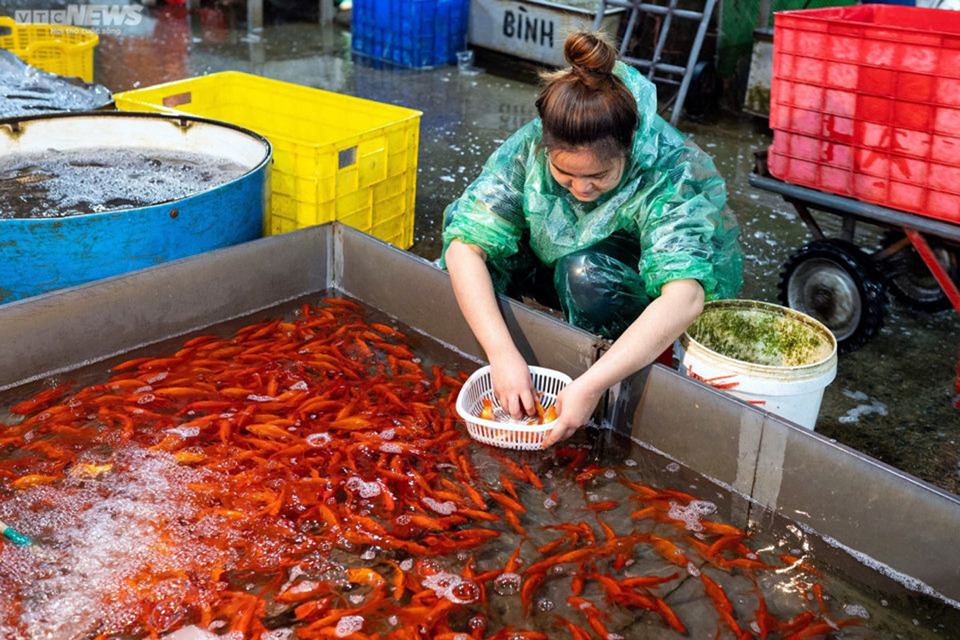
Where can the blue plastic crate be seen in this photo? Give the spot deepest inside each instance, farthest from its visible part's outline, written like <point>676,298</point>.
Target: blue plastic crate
<point>410,33</point>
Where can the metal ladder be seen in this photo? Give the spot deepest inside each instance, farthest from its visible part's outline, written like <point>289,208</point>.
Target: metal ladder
<point>655,66</point>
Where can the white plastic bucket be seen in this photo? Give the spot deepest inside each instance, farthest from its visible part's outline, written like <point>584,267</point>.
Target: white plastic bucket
<point>774,357</point>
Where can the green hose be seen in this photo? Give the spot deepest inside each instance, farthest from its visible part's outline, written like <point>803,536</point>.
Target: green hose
<point>14,536</point>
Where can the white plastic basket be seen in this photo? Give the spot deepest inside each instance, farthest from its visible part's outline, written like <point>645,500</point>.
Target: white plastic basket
<point>507,435</point>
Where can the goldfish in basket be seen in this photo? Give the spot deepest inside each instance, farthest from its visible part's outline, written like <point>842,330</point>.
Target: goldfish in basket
<point>544,415</point>
<point>486,413</point>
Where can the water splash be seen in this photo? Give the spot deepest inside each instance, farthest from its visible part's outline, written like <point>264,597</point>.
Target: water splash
<point>146,522</point>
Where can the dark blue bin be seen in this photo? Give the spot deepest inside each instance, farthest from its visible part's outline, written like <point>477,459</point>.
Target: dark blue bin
<point>410,33</point>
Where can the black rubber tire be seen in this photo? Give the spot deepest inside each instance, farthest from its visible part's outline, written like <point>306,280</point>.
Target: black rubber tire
<point>910,279</point>
<point>836,283</point>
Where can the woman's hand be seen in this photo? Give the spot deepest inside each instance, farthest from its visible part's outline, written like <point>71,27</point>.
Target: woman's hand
<point>679,304</point>
<point>478,303</point>
<point>512,384</point>
<point>575,406</point>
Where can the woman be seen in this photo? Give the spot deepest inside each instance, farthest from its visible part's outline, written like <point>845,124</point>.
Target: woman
<point>611,203</point>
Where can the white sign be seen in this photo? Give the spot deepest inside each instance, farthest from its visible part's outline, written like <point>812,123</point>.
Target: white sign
<point>531,30</point>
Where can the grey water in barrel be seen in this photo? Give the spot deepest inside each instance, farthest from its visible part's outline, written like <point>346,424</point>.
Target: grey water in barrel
<point>56,184</point>
<point>26,90</point>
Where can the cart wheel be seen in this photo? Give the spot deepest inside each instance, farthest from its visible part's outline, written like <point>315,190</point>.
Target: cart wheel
<point>835,282</point>
<point>910,279</point>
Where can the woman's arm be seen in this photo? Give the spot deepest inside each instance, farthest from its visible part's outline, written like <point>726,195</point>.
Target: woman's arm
<point>478,303</point>
<point>662,322</point>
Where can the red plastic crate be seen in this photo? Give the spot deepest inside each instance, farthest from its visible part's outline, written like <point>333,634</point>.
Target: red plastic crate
<point>865,102</point>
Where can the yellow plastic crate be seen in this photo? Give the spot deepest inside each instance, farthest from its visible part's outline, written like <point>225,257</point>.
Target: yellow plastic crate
<point>64,50</point>
<point>335,157</point>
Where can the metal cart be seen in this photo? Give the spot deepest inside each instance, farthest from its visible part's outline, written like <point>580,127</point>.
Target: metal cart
<point>845,286</point>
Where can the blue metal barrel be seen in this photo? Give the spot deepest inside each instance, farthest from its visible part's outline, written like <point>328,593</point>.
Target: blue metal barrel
<point>38,255</point>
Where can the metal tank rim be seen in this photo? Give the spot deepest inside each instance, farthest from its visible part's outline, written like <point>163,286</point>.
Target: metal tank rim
<point>13,126</point>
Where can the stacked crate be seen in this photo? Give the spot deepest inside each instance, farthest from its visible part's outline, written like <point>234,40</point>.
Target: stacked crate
<point>64,50</point>
<point>410,33</point>
<point>335,157</point>
<point>865,102</point>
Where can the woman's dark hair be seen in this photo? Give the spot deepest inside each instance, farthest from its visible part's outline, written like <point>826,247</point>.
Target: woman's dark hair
<point>586,105</point>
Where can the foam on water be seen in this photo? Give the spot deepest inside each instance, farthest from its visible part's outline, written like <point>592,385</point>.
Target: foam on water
<point>857,610</point>
<point>58,183</point>
<point>194,633</point>
<point>907,581</point>
<point>348,625</point>
<point>477,623</point>
<point>304,586</point>
<point>365,489</point>
<point>185,432</point>
<point>443,508</point>
<point>101,533</point>
<point>318,439</point>
<point>452,587</point>
<point>507,583</point>
<point>691,514</point>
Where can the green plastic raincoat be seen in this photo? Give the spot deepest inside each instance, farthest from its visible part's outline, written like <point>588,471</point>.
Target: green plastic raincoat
<point>670,199</point>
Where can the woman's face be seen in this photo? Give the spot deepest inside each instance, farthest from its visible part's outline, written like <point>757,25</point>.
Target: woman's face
<point>583,174</point>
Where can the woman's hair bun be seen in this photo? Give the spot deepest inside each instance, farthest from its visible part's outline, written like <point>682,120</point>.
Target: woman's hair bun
<point>586,51</point>
<point>587,105</point>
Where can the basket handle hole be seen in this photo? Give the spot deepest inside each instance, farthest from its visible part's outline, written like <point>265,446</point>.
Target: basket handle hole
<point>178,99</point>
<point>347,157</point>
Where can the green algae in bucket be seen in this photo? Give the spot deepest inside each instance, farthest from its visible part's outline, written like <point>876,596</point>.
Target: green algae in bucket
<point>773,357</point>
<point>760,333</point>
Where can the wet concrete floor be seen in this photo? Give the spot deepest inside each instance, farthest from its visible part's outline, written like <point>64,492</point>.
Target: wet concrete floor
<point>892,399</point>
